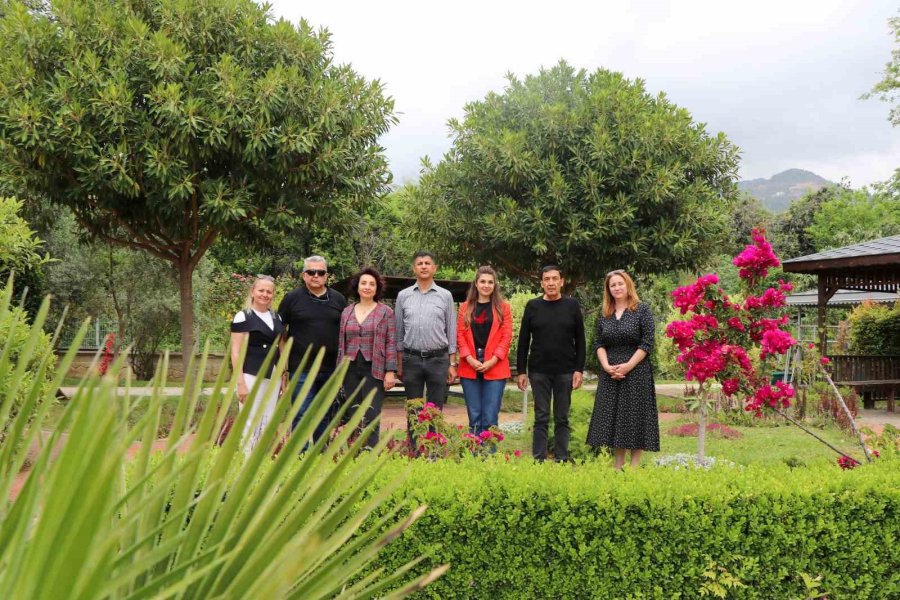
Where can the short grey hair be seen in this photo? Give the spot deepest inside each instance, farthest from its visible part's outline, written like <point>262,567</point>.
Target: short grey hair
<point>315,258</point>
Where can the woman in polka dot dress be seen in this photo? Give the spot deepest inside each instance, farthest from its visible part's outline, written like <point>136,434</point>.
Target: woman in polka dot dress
<point>625,416</point>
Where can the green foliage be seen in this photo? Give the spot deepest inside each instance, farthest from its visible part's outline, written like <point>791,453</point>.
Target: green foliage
<point>166,124</point>
<point>101,516</point>
<point>852,217</point>
<point>888,89</point>
<point>31,350</point>
<point>789,235</point>
<point>586,170</point>
<point>19,245</point>
<point>524,530</point>
<point>875,329</point>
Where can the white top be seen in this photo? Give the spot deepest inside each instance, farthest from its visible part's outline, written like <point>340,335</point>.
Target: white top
<point>265,316</point>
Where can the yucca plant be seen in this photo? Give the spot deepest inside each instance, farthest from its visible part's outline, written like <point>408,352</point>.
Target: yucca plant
<point>107,511</point>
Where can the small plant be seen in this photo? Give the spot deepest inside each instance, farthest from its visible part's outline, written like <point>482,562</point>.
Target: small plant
<point>436,438</point>
<point>107,358</point>
<point>813,587</point>
<point>690,461</point>
<point>718,580</point>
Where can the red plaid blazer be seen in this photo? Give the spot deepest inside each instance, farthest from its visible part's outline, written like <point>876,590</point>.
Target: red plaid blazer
<point>384,343</point>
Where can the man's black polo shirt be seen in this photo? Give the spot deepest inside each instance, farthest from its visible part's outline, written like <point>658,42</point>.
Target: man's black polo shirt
<point>313,321</point>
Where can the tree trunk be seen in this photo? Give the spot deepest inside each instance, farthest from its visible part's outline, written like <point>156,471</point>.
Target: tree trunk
<point>701,427</point>
<point>186,298</point>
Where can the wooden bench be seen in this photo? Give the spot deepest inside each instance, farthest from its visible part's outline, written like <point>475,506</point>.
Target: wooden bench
<point>868,374</point>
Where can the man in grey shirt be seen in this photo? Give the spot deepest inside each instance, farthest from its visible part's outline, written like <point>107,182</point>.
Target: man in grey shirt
<point>426,334</point>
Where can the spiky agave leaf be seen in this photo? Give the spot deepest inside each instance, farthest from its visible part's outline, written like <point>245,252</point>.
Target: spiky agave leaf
<point>103,514</point>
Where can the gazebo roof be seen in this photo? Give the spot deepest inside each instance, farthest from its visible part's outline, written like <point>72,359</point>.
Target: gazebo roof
<point>883,251</point>
<point>841,298</point>
<point>873,265</point>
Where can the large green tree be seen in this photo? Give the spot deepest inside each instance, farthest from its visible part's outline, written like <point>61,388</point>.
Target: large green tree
<point>168,124</point>
<point>587,170</point>
<point>855,216</point>
<point>888,89</point>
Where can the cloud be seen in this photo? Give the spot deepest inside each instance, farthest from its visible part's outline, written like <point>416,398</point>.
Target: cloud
<point>781,79</point>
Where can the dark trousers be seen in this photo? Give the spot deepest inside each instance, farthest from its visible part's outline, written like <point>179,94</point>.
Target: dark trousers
<point>426,377</point>
<point>559,388</point>
<point>360,371</point>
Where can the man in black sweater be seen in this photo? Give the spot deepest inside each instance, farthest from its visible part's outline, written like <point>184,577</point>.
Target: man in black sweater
<point>312,314</point>
<point>553,328</point>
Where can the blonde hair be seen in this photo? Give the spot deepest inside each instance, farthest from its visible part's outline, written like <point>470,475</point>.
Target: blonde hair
<point>248,302</point>
<point>609,303</point>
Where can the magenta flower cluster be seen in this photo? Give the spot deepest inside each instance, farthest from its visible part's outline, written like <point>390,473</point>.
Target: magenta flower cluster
<point>715,340</point>
<point>756,259</point>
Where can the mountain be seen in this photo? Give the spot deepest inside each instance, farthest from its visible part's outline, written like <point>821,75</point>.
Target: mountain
<point>777,192</point>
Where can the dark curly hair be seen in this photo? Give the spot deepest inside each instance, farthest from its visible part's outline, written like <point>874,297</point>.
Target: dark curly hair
<point>380,283</point>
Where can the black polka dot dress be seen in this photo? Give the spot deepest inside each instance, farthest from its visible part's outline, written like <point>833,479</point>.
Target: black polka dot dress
<point>625,413</point>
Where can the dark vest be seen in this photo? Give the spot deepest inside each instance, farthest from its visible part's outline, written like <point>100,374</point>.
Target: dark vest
<point>261,341</point>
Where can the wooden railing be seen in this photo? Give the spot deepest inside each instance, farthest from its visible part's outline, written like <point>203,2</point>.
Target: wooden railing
<point>859,368</point>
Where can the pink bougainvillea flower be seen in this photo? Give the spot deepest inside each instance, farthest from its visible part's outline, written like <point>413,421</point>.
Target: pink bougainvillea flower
<point>847,463</point>
<point>824,360</point>
<point>730,386</point>
<point>517,453</point>
<point>756,258</point>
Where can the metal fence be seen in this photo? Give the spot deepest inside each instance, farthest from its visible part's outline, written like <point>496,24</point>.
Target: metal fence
<point>95,339</point>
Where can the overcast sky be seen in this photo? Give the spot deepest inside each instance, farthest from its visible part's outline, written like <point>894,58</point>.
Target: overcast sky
<point>782,79</point>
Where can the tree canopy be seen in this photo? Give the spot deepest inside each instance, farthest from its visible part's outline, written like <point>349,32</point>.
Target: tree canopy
<point>168,124</point>
<point>888,89</point>
<point>589,171</point>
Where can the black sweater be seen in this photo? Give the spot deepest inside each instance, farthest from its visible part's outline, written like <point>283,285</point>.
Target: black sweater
<point>554,331</point>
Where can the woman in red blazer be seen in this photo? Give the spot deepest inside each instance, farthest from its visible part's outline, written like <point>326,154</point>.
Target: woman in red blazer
<point>483,335</point>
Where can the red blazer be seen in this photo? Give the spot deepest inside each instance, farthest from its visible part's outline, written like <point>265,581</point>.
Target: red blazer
<point>498,343</point>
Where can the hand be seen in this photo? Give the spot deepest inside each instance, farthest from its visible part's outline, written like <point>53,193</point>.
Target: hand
<point>474,362</point>
<point>451,374</point>
<point>522,381</point>
<point>576,380</point>
<point>389,381</point>
<point>242,391</point>
<point>488,365</point>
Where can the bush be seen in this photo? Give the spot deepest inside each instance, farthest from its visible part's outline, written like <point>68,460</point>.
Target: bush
<point>522,530</point>
<point>15,330</point>
<point>875,329</point>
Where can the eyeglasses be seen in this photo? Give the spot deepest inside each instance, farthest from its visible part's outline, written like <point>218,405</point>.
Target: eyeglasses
<point>265,278</point>
<point>316,272</point>
<point>616,272</point>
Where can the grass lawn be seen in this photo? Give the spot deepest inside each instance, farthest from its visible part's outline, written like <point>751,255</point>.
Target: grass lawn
<point>764,443</point>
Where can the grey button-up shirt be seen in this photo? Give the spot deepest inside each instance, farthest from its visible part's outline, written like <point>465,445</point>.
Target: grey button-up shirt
<point>425,321</point>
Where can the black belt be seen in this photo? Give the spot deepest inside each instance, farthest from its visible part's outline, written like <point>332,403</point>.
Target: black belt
<point>426,353</point>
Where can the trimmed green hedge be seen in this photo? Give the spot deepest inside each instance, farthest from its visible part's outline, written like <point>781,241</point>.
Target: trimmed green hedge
<point>522,530</point>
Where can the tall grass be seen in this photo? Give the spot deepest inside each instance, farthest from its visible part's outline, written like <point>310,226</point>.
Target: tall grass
<point>105,514</point>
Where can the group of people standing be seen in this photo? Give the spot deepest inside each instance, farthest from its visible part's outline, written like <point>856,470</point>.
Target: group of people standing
<point>426,344</point>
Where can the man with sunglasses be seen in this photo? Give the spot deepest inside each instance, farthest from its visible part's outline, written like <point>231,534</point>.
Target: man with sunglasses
<point>312,315</point>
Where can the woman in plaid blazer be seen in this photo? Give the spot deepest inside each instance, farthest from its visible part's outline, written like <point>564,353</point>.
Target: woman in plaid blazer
<point>368,339</point>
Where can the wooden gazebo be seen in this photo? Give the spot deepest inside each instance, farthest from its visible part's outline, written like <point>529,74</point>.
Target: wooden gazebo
<point>870,266</point>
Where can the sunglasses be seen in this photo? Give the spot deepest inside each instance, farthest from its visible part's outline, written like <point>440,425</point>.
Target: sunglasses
<point>316,272</point>
<point>616,272</point>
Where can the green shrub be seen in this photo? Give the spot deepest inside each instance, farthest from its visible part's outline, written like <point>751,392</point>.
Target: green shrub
<point>15,331</point>
<point>875,329</point>
<point>525,530</point>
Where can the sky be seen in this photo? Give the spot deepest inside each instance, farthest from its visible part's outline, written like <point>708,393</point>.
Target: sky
<point>781,79</point>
